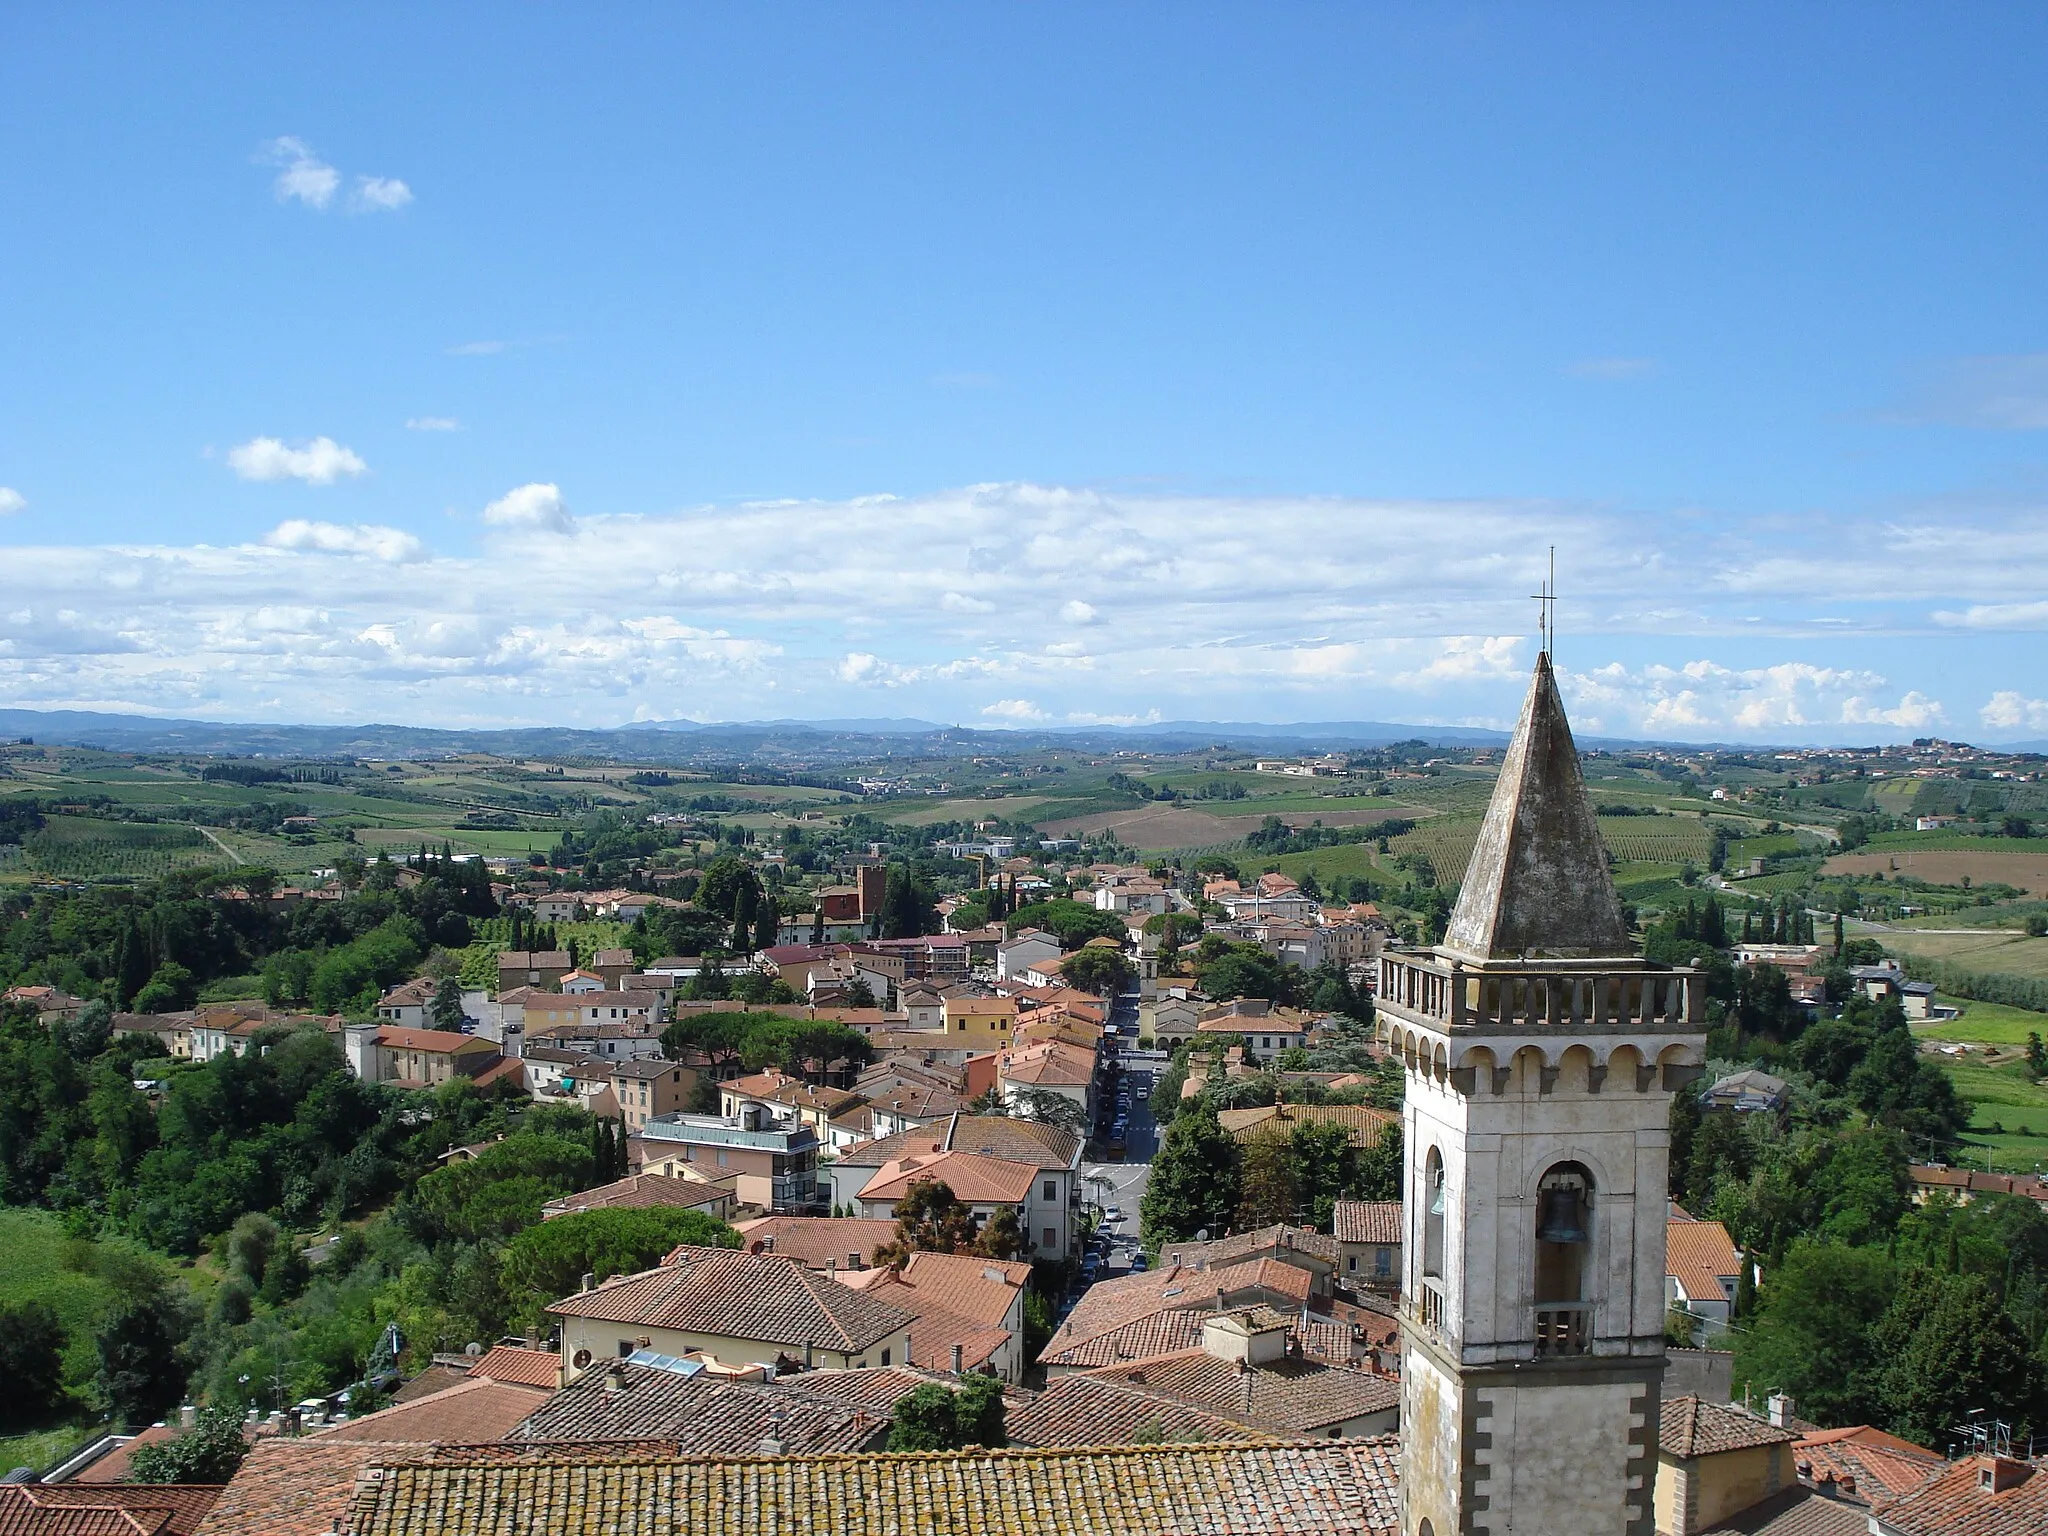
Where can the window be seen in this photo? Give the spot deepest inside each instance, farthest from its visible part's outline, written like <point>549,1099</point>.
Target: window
<point>1383,1261</point>
<point>885,1357</point>
<point>1564,1238</point>
<point>1433,1204</point>
<point>1052,1191</point>
<point>625,1348</point>
<point>1052,1238</point>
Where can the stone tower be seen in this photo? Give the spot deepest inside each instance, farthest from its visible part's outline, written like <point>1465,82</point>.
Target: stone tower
<point>1541,1057</point>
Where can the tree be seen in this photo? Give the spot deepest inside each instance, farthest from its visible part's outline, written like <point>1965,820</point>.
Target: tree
<point>141,1365</point>
<point>1949,1350</point>
<point>925,1420</point>
<point>446,1010</point>
<point>1377,1174</point>
<point>929,1219</point>
<point>31,1363</point>
<point>547,1261</point>
<point>1047,1108</point>
<point>935,1417</point>
<point>1072,923</point>
<point>210,1452</point>
<point>767,924</point>
<point>859,994</point>
<point>1266,1191</point>
<point>1194,1180</point>
<point>1098,969</point>
<point>1002,1237</point>
<point>907,909</point>
<point>2037,1055</point>
<point>1812,1334</point>
<point>1324,1168</point>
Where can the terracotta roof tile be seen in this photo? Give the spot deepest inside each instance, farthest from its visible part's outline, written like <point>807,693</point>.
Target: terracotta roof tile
<point>1692,1426</point>
<point>1092,1409</point>
<point>728,1294</point>
<point>1795,1512</point>
<point>636,1189</point>
<point>292,1487</point>
<point>1247,1246</point>
<point>811,1240</point>
<point>1246,1490</point>
<point>1017,1141</point>
<point>970,1175</point>
<point>103,1509</point>
<point>521,1367</point>
<point>699,1415</point>
<point>1363,1121</point>
<point>1957,1502</point>
<point>1701,1255</point>
<point>1368,1221</point>
<point>1289,1396</point>
<point>476,1409</point>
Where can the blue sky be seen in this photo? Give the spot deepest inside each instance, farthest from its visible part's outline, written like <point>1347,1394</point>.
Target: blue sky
<point>1027,364</point>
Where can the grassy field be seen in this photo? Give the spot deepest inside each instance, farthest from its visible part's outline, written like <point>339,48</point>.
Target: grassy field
<point>1327,863</point>
<point>30,1269</point>
<point>1656,840</point>
<point>1990,1023</point>
<point>922,813</point>
<point>1999,861</point>
<point>2017,1108</point>
<point>1997,950</point>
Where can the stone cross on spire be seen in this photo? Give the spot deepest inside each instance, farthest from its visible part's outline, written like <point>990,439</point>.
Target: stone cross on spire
<point>1538,881</point>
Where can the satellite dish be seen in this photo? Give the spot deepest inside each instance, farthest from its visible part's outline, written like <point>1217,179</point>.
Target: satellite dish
<point>1202,1236</point>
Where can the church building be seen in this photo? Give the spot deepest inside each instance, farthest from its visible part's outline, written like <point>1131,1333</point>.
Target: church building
<point>1541,1054</point>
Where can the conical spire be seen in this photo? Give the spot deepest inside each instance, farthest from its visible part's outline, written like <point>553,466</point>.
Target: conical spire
<point>1538,881</point>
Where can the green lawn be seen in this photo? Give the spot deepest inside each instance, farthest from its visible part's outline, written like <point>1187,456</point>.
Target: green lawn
<point>1993,1023</point>
<point>2005,1099</point>
<point>1323,863</point>
<point>42,1449</point>
<point>1995,950</point>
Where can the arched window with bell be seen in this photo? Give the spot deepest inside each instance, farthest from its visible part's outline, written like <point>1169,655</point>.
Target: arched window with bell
<point>1433,1207</point>
<point>1564,1234</point>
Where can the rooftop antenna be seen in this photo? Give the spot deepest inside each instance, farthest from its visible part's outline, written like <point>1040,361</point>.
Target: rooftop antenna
<point>1546,608</point>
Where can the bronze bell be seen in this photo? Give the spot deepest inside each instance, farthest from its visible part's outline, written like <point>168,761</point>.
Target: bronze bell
<point>1563,1218</point>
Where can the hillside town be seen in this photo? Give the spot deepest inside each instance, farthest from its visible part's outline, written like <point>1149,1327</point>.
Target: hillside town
<point>913,1196</point>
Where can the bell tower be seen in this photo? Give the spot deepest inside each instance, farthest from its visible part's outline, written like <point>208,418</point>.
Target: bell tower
<point>1541,1056</point>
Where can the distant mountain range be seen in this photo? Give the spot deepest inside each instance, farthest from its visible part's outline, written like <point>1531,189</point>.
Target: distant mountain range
<point>681,742</point>
<point>769,743</point>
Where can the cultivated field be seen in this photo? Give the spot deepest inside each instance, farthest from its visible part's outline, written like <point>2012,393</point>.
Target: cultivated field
<point>1986,1023</point>
<point>1943,866</point>
<point>1996,950</point>
<point>1665,840</point>
<point>1149,828</point>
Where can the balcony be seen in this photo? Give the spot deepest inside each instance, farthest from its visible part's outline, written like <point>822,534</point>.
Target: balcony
<point>1430,1308</point>
<point>1563,1328</point>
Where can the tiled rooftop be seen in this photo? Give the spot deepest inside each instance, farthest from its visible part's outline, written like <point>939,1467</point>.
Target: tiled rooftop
<point>1368,1221</point>
<point>1289,1396</point>
<point>1692,1426</point>
<point>700,1415</point>
<point>1253,1490</point>
<point>476,1409</point>
<point>1700,1255</point>
<point>103,1509</point>
<point>522,1367</point>
<point>1958,1501</point>
<point>812,1240</point>
<point>1247,1246</point>
<point>1017,1141</point>
<point>1098,1410</point>
<point>724,1293</point>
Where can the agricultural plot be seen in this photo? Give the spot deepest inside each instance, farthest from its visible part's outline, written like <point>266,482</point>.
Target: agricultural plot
<point>1995,950</point>
<point>2009,1128</point>
<point>1661,840</point>
<point>78,847</point>
<point>2023,865</point>
<point>1986,1023</point>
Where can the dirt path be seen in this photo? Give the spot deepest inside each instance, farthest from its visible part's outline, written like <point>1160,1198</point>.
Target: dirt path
<point>223,847</point>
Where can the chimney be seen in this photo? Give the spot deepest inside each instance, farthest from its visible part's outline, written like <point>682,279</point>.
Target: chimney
<point>959,1354</point>
<point>1779,1408</point>
<point>615,1380</point>
<point>188,1416</point>
<point>1995,1474</point>
<point>831,1265</point>
<point>589,1280</point>
<point>771,1442</point>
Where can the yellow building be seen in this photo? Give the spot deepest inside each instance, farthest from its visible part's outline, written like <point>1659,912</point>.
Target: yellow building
<point>980,1021</point>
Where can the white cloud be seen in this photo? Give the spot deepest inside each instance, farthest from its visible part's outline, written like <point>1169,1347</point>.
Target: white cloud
<point>1015,712</point>
<point>530,506</point>
<point>1793,699</point>
<point>433,424</point>
<point>370,539</point>
<point>303,176</point>
<point>1075,611</point>
<point>11,501</point>
<point>379,194</point>
<point>1203,607</point>
<point>320,462</point>
<point>2011,710</point>
<point>1997,616</point>
<point>475,348</point>
<point>1468,658</point>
